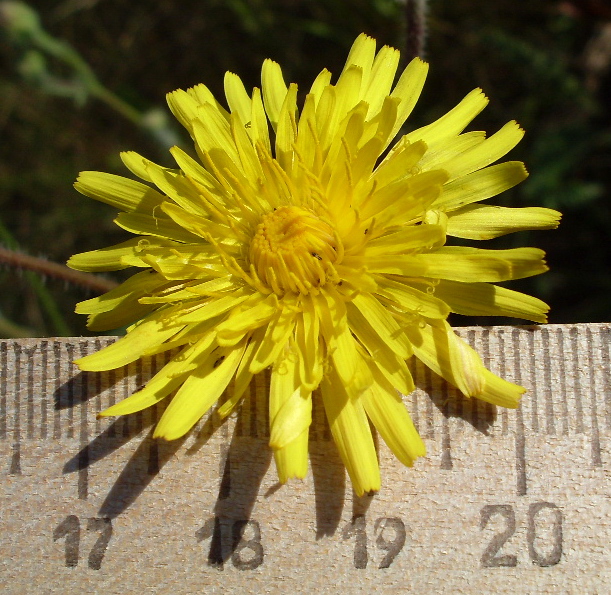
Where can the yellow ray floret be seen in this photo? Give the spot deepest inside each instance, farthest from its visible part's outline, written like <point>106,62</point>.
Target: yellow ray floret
<point>318,250</point>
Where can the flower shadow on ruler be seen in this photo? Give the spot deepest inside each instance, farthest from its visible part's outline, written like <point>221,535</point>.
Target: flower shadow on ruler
<point>245,458</point>
<point>133,479</point>
<point>434,392</point>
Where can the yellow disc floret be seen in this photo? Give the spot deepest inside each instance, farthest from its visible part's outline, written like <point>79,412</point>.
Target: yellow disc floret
<point>293,250</point>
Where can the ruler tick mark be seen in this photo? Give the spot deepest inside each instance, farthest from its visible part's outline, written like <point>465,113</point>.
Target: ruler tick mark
<point>83,455</point>
<point>57,429</point>
<point>225,472</point>
<point>70,389</point>
<point>262,389</point>
<point>112,429</point>
<point>563,389</point>
<point>547,383</point>
<point>533,392</point>
<point>428,387</point>
<point>3,387</point>
<point>605,340</point>
<point>98,391</point>
<point>520,437</point>
<point>139,416</point>
<point>30,391</point>
<point>475,418</point>
<point>595,441</point>
<point>44,346</point>
<point>578,396</point>
<point>414,409</point>
<point>126,420</point>
<point>446,452</point>
<point>313,429</point>
<point>502,365</point>
<point>15,468</point>
<point>489,408</point>
<point>29,398</point>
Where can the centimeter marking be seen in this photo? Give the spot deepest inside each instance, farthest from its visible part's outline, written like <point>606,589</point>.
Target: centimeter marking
<point>48,407</point>
<point>40,391</point>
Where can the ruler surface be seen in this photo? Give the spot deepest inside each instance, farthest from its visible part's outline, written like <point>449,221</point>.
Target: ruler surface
<point>505,501</point>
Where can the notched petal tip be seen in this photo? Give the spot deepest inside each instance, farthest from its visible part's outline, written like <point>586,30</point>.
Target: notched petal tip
<point>554,218</point>
<point>516,124</point>
<point>366,491</point>
<point>419,62</point>
<point>297,475</point>
<point>478,91</point>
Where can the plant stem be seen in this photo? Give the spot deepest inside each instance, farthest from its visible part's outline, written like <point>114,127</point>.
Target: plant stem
<point>415,21</point>
<point>57,271</point>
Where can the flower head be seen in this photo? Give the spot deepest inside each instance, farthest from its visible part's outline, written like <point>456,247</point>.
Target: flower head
<point>315,250</point>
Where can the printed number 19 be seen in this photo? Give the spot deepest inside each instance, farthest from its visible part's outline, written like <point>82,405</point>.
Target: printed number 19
<point>382,527</point>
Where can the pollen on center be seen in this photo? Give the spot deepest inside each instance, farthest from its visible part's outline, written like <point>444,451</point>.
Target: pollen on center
<point>293,249</point>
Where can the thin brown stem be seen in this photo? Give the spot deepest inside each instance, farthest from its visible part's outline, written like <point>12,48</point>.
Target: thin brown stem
<point>415,21</point>
<point>57,271</point>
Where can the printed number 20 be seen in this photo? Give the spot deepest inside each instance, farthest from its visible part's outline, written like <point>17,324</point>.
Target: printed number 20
<point>491,557</point>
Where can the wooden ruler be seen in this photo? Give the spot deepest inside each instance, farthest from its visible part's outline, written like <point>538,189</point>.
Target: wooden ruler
<point>505,501</point>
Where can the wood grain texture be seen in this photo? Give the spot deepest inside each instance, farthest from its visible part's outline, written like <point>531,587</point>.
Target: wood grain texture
<point>505,501</point>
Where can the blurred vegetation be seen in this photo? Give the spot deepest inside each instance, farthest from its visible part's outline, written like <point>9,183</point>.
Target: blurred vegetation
<point>82,80</point>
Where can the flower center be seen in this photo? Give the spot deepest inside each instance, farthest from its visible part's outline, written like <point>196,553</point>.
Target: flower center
<point>293,250</point>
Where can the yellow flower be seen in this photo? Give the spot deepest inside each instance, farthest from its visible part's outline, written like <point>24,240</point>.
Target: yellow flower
<point>316,251</point>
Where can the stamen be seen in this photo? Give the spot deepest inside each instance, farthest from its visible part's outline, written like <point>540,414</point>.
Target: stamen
<point>255,282</point>
<point>293,250</point>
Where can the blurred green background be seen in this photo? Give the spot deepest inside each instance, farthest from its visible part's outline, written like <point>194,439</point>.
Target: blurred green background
<point>82,80</point>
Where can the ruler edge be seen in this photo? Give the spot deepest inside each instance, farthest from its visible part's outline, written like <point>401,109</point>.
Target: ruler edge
<point>460,330</point>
